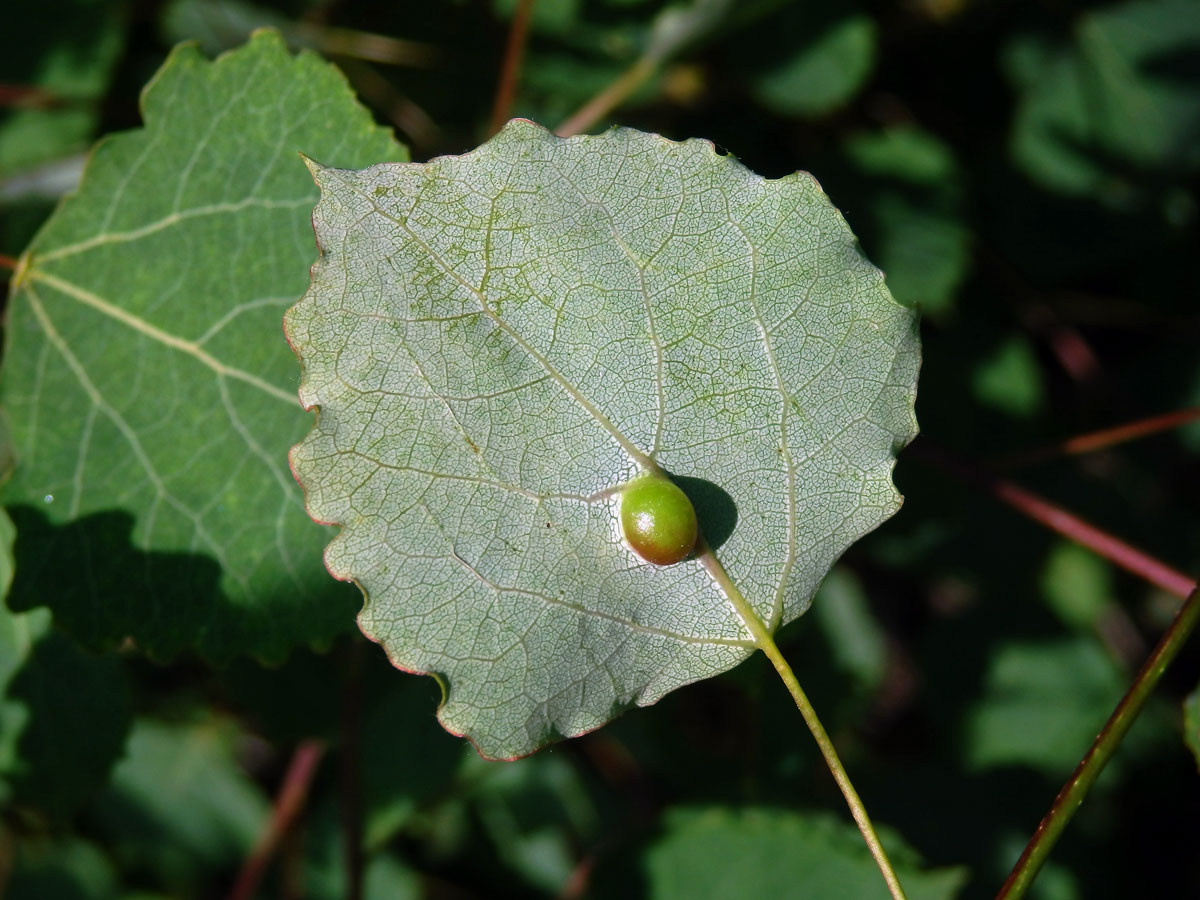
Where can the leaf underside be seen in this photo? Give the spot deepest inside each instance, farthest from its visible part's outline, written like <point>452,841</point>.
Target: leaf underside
<point>497,342</point>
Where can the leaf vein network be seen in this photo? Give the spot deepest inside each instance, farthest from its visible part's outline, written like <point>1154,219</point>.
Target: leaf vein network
<point>571,391</point>
<point>127,431</point>
<point>593,613</point>
<point>192,348</point>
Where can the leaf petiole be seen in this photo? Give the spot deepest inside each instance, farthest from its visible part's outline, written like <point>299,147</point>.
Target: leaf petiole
<point>766,643</point>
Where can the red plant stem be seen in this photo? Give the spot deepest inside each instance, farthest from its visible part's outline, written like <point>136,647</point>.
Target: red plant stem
<point>25,95</point>
<point>8,262</point>
<point>1110,547</point>
<point>288,804</point>
<point>1108,437</point>
<point>1067,524</point>
<point>1074,354</point>
<point>510,69</point>
<point>1088,771</point>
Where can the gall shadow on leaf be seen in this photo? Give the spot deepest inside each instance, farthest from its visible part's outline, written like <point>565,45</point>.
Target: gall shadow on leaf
<point>716,511</point>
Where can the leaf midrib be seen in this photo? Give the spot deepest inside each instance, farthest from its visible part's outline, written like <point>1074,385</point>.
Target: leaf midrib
<point>155,333</point>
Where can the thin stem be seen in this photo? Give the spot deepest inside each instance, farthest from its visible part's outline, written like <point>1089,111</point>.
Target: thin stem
<point>857,809</point>
<point>609,98</point>
<point>379,48</point>
<point>1065,523</point>
<point>8,262</point>
<point>26,96</point>
<point>1107,437</point>
<point>288,804</point>
<point>510,69</point>
<point>413,122</point>
<point>1092,764</point>
<point>1107,545</point>
<point>766,643</point>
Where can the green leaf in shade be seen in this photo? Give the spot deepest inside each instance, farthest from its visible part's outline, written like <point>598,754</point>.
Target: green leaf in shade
<point>405,759</point>
<point>545,18</point>
<point>811,60</point>
<point>713,854</point>
<point>592,46</point>
<point>1010,379</point>
<point>1117,107</point>
<point>1042,705</point>
<point>218,25</point>
<point>856,639</point>
<point>67,51</point>
<point>388,878</point>
<point>149,396</point>
<point>1077,585</point>
<point>1191,723</point>
<point>534,812</point>
<point>498,342</point>
<point>73,712</point>
<point>180,805</point>
<point>1055,880</point>
<point>18,633</point>
<point>911,190</point>
<point>63,713</point>
<point>66,869</point>
<point>322,864</point>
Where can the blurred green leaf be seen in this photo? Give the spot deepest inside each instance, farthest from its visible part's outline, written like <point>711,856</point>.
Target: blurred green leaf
<point>70,712</point>
<point>721,853</point>
<point>1116,111</point>
<point>217,25</point>
<point>681,25</point>
<point>855,638</point>
<point>552,18</point>
<point>63,713</point>
<point>8,535</point>
<point>810,59</point>
<point>1055,881</point>
<point>180,805</point>
<point>1009,379</point>
<point>387,878</point>
<point>406,758</point>
<point>149,395</point>
<point>66,52</point>
<point>598,46</point>
<point>18,633</point>
<point>911,223</point>
<point>65,869</point>
<point>1077,584</point>
<point>535,812</point>
<point>1191,723</point>
<point>1042,705</point>
<point>386,874</point>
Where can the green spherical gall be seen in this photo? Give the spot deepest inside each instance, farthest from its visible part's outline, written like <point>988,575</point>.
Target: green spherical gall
<point>657,520</point>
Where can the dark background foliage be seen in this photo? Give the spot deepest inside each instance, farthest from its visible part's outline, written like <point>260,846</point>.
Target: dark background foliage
<point>1026,174</point>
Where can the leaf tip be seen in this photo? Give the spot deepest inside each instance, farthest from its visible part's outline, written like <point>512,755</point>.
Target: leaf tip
<point>313,166</point>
